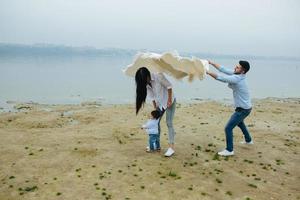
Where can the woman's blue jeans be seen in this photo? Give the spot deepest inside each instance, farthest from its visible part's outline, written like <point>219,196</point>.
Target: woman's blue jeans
<point>170,112</point>
<point>237,119</point>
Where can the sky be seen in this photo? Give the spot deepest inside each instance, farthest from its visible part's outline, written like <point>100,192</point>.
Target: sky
<point>242,27</point>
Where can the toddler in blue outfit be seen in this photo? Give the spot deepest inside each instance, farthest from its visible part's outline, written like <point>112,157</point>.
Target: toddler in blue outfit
<point>151,128</point>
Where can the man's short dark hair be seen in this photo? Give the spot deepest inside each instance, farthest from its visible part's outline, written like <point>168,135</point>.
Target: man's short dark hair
<point>155,114</point>
<point>245,65</point>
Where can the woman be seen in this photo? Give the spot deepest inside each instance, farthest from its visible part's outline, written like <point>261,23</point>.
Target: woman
<point>159,91</point>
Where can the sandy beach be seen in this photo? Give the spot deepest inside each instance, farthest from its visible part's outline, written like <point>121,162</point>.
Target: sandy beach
<point>93,151</point>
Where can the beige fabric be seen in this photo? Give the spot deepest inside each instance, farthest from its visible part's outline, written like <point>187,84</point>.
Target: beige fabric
<point>170,63</point>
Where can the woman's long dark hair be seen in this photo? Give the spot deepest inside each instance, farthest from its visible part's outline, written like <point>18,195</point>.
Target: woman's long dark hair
<point>142,76</point>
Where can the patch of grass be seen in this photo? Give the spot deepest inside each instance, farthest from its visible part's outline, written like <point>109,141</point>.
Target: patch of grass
<point>216,157</point>
<point>198,148</point>
<point>248,161</point>
<point>218,180</point>
<point>31,189</point>
<point>172,174</point>
<point>279,162</point>
<point>252,185</point>
<point>101,176</point>
<point>218,171</point>
<point>77,170</point>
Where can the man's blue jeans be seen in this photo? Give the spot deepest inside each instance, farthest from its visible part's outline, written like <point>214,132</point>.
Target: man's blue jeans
<point>154,143</point>
<point>237,119</point>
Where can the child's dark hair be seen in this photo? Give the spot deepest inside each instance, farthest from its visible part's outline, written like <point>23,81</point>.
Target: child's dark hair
<point>155,114</point>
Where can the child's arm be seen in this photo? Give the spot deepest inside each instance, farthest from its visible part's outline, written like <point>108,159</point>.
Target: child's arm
<point>148,125</point>
<point>144,126</point>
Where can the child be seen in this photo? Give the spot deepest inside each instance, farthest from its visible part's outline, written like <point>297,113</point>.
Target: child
<point>151,128</point>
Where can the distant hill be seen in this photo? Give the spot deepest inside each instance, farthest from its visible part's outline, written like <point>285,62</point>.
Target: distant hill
<point>59,50</point>
<point>13,50</point>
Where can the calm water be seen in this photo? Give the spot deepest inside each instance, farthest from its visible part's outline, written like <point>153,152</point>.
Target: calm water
<point>66,79</point>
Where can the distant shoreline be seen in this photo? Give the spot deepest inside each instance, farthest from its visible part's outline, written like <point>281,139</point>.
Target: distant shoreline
<point>45,50</point>
<point>15,106</point>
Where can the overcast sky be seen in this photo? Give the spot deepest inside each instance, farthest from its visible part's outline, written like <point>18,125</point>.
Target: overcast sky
<point>255,27</point>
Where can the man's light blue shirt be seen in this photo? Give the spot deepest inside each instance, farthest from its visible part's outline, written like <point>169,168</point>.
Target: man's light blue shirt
<point>237,82</point>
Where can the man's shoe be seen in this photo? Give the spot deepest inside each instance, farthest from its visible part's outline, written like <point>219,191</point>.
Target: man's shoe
<point>244,142</point>
<point>170,152</point>
<point>226,153</point>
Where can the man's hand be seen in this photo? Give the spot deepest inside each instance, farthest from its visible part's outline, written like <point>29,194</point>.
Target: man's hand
<point>217,66</point>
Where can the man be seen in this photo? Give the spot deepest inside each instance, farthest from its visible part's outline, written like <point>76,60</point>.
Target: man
<point>236,80</point>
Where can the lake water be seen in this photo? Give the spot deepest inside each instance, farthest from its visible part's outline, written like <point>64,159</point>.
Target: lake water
<point>74,79</point>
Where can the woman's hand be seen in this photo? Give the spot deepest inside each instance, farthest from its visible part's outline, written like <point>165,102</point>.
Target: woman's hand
<point>169,103</point>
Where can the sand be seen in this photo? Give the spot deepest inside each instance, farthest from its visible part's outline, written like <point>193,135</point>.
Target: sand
<point>98,152</point>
